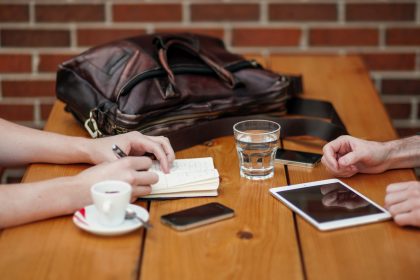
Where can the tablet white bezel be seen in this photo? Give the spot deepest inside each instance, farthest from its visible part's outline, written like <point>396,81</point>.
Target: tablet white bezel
<point>324,226</point>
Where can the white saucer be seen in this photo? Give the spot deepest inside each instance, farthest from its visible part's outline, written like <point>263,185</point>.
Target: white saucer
<point>86,219</point>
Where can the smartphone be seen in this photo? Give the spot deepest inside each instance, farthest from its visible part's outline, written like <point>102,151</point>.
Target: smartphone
<point>297,158</point>
<point>197,216</point>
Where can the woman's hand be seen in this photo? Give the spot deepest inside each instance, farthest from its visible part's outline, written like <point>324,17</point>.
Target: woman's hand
<point>133,144</point>
<point>132,170</point>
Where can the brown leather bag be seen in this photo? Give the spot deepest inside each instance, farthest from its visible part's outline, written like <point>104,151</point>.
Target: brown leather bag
<point>184,86</point>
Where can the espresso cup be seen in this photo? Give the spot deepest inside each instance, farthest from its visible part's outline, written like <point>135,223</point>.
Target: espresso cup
<point>111,199</point>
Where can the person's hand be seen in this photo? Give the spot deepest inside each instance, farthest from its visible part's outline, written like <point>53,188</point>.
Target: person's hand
<point>347,155</point>
<point>132,170</point>
<point>403,202</point>
<point>133,144</point>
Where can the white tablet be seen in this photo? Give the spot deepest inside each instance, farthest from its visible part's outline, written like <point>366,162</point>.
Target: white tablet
<point>330,204</point>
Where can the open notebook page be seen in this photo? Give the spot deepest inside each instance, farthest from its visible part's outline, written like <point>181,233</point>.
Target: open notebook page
<point>186,165</point>
<point>184,173</point>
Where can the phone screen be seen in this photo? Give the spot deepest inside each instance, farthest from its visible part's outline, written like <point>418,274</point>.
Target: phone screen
<point>297,157</point>
<point>197,215</point>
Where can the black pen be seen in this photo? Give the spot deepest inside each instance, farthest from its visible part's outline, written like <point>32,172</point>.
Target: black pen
<point>118,152</point>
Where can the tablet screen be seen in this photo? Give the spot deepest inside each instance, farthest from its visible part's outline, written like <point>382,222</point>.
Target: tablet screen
<point>329,202</point>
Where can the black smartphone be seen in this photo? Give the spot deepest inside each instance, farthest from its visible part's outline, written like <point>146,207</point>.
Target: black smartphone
<point>297,158</point>
<point>197,216</point>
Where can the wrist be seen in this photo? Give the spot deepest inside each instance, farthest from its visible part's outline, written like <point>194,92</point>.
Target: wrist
<point>76,194</point>
<point>390,150</point>
<point>84,149</point>
<point>402,153</point>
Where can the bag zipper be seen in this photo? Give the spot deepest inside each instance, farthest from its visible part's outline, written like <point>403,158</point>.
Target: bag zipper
<point>173,119</point>
<point>179,70</point>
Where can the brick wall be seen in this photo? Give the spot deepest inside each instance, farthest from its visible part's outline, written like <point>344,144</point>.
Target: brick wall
<point>35,36</point>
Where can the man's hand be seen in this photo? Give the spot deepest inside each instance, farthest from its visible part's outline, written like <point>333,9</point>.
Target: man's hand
<point>403,201</point>
<point>346,156</point>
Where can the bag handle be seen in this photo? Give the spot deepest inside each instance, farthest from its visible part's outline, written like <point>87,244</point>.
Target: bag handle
<point>164,45</point>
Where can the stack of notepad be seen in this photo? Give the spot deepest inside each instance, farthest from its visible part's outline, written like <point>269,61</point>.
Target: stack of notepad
<point>188,178</point>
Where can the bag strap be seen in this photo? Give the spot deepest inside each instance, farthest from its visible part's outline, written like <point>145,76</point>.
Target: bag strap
<point>290,127</point>
<point>164,45</point>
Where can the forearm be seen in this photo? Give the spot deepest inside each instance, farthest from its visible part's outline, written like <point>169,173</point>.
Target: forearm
<point>22,145</point>
<point>403,153</point>
<point>23,203</point>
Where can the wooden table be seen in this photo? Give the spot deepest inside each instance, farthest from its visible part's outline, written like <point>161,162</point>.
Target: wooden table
<point>264,241</point>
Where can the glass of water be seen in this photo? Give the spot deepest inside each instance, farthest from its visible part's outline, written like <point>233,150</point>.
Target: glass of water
<point>256,143</point>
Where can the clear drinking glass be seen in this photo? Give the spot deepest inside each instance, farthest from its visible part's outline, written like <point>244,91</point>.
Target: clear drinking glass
<point>256,143</point>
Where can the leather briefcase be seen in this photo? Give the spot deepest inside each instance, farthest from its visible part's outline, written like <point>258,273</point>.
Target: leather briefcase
<point>184,86</point>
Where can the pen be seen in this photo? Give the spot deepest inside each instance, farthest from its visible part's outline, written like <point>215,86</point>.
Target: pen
<point>118,152</point>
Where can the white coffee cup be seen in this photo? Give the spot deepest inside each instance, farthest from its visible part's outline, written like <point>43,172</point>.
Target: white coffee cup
<point>111,199</point>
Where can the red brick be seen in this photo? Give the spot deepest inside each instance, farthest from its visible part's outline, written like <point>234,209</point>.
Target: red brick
<point>15,63</point>
<point>403,36</point>
<point>266,37</point>
<point>35,38</point>
<point>343,37</point>
<point>14,13</point>
<point>389,61</point>
<point>147,12</point>
<point>219,33</point>
<point>28,88</point>
<point>381,12</point>
<point>14,112</point>
<point>302,12</point>
<point>93,37</point>
<point>71,12</point>
<point>50,62</point>
<point>398,110</point>
<point>225,12</point>
<point>401,86</point>
<point>405,132</point>
<point>45,111</point>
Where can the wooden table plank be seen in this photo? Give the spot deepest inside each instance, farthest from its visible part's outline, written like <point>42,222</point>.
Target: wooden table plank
<point>377,251</point>
<point>55,248</point>
<point>217,251</point>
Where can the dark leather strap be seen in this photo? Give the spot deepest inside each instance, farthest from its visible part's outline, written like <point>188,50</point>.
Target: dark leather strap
<point>290,127</point>
<point>219,69</point>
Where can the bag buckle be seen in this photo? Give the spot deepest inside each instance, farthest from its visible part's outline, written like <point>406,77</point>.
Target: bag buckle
<point>92,127</point>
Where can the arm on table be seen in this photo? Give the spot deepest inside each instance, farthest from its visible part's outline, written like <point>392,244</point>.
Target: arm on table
<point>22,203</point>
<point>22,145</point>
<point>347,155</point>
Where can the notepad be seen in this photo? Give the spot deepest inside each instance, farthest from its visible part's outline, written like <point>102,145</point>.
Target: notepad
<point>188,178</point>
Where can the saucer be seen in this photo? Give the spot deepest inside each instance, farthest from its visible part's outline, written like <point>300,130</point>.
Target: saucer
<point>86,219</point>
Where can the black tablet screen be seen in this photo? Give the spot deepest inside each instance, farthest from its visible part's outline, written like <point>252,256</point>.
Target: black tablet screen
<point>330,202</point>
